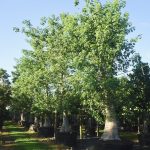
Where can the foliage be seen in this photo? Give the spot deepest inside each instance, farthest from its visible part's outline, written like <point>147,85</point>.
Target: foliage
<point>140,82</point>
<point>100,49</point>
<point>5,92</point>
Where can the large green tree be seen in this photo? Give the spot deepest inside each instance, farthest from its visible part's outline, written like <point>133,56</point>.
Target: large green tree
<point>101,49</point>
<point>44,71</point>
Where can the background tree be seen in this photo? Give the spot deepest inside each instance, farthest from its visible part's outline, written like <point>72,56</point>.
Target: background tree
<point>5,92</point>
<point>140,82</point>
<point>102,49</point>
<point>44,71</point>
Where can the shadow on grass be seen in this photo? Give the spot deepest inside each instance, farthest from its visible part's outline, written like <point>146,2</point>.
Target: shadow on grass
<point>25,144</point>
<point>12,138</point>
<point>30,145</point>
<point>15,129</point>
<point>17,138</point>
<point>11,132</point>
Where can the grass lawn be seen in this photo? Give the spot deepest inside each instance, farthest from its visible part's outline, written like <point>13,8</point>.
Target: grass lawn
<point>15,137</point>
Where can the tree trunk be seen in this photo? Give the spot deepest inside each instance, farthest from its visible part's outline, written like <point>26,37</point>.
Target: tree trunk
<point>46,122</point>
<point>55,124</point>
<point>36,124</point>
<point>138,120</point>
<point>65,125</point>
<point>36,121</point>
<point>80,130</point>
<point>145,127</point>
<point>41,122</point>
<point>81,134</point>
<point>97,130</point>
<point>111,127</point>
<point>22,118</point>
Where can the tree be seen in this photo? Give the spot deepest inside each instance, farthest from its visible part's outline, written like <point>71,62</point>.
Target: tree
<point>43,71</point>
<point>31,87</point>
<point>4,95</point>
<point>140,81</point>
<point>101,49</point>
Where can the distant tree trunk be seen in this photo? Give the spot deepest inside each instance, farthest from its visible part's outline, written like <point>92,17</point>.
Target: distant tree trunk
<point>46,122</point>
<point>55,124</point>
<point>145,127</point>
<point>36,120</point>
<point>65,125</point>
<point>80,129</point>
<point>36,124</point>
<point>81,135</point>
<point>111,127</point>
<point>41,122</point>
<point>145,122</point>
<point>97,129</point>
<point>138,120</point>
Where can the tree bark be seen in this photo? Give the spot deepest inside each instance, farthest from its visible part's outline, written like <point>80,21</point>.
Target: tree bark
<point>65,125</point>
<point>111,127</point>
<point>22,118</point>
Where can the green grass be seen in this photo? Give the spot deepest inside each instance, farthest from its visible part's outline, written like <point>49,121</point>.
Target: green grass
<point>15,137</point>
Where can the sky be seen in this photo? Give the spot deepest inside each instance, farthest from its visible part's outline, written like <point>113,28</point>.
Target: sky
<point>13,12</point>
